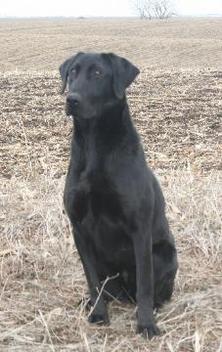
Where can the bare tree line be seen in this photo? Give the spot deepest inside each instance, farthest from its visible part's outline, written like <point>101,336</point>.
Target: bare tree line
<point>148,9</point>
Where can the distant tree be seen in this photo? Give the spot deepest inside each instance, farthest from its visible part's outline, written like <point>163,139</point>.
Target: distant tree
<point>162,9</point>
<point>143,8</point>
<point>148,9</point>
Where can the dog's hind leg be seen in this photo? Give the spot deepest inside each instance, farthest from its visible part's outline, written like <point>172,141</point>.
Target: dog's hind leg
<point>165,268</point>
<point>163,288</point>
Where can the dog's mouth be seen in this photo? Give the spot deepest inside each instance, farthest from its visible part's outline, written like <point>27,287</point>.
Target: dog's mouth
<point>78,112</point>
<point>71,109</point>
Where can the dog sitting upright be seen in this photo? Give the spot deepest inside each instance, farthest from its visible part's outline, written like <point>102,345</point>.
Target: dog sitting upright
<point>112,198</point>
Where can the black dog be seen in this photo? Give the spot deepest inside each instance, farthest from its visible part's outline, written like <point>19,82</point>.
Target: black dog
<point>112,198</point>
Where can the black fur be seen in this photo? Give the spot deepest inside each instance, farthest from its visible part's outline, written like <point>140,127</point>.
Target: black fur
<point>111,196</point>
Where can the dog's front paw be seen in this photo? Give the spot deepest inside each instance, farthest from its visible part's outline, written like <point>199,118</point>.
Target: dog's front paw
<point>101,319</point>
<point>148,331</point>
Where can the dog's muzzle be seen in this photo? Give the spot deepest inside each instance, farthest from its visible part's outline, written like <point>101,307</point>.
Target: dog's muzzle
<point>73,104</point>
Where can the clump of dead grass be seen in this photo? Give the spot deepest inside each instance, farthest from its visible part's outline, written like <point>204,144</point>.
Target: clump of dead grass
<point>42,281</point>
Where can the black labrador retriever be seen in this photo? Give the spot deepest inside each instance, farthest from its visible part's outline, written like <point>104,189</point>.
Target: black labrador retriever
<point>112,198</point>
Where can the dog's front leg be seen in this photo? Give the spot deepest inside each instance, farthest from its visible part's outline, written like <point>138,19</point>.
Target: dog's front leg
<point>145,284</point>
<point>98,313</point>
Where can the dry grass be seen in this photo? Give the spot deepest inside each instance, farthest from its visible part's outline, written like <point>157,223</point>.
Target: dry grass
<point>176,106</point>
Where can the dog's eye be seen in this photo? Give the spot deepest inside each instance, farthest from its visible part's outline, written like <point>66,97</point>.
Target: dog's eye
<point>73,71</point>
<point>98,73</point>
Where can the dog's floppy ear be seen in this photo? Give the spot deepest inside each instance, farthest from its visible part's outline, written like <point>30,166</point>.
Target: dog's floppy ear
<point>124,73</point>
<point>64,70</point>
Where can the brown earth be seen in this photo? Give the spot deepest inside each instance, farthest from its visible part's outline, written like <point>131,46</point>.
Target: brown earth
<point>41,45</point>
<point>178,116</point>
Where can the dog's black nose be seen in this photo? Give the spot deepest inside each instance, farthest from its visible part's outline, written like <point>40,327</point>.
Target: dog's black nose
<point>73,99</point>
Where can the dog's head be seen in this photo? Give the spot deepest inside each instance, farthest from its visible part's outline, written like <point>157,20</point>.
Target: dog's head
<point>95,82</point>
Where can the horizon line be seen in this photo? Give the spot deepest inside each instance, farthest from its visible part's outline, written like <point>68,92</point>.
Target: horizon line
<point>107,17</point>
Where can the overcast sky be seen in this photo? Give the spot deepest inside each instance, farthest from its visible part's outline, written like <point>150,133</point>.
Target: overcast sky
<point>23,8</point>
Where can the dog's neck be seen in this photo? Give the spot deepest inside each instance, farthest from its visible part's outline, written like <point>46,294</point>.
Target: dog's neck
<point>112,128</point>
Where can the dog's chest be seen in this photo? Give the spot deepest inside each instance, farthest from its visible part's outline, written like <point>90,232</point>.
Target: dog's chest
<point>95,197</point>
